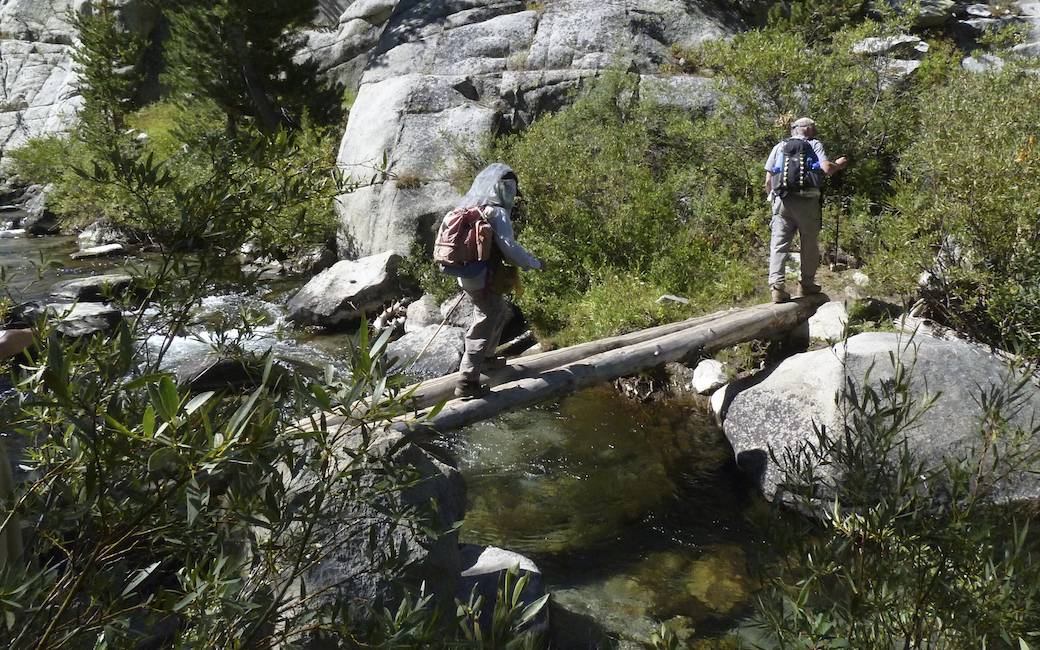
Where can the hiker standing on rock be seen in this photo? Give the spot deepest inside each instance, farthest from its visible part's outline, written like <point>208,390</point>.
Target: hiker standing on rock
<point>794,174</point>
<point>474,243</point>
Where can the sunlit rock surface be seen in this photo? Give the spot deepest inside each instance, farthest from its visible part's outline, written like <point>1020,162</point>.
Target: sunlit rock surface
<point>439,78</point>
<point>777,410</point>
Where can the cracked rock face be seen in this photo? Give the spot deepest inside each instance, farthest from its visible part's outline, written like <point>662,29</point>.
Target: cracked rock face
<point>437,78</point>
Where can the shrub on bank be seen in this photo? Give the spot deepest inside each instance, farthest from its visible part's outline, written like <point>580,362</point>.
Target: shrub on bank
<point>966,208</point>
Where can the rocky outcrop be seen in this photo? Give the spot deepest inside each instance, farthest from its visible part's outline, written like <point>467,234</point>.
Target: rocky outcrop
<point>444,76</point>
<point>38,218</point>
<point>345,292</point>
<point>774,413</point>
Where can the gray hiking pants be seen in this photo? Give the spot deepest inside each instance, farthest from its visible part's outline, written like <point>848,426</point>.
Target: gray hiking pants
<point>489,318</point>
<point>791,214</point>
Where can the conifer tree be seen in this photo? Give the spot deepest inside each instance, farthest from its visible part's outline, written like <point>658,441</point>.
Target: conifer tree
<point>106,63</point>
<point>239,54</point>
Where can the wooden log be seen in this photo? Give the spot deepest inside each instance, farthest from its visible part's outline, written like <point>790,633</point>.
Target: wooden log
<point>432,391</point>
<point>750,324</point>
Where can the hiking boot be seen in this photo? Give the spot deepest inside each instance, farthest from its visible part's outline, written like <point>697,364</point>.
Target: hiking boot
<point>779,294</point>
<point>810,288</point>
<point>470,388</point>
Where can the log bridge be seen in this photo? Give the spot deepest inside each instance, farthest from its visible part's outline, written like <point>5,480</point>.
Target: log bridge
<point>525,381</point>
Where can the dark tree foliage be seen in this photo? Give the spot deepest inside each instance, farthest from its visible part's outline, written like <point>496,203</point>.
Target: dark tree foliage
<point>816,20</point>
<point>239,54</point>
<point>106,61</point>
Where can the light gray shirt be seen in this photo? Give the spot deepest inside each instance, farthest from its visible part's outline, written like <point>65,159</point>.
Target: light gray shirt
<point>512,251</point>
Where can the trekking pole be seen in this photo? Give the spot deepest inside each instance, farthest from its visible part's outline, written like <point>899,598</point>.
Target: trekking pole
<point>439,328</point>
<point>837,226</point>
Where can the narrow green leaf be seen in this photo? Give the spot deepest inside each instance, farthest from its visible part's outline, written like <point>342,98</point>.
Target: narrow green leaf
<point>139,578</point>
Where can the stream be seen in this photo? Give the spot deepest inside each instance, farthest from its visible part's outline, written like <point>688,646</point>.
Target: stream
<point>635,512</point>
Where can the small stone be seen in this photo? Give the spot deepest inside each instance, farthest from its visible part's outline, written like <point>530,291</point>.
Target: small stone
<point>107,250</point>
<point>829,322</point>
<point>709,375</point>
<point>673,299</point>
<point>861,279</point>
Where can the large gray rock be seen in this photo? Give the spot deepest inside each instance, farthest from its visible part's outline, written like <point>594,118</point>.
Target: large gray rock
<point>84,318</point>
<point>708,376</point>
<point>776,411</point>
<point>445,76</point>
<point>102,232</point>
<point>443,351</point>
<point>900,45</point>
<point>829,322</point>
<point>695,95</point>
<point>930,13</point>
<point>983,63</point>
<point>38,219</point>
<point>93,289</point>
<point>343,293</point>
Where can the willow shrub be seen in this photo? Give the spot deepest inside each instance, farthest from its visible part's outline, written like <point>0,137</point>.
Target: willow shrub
<point>969,190</point>
<point>154,515</point>
<point>612,201</point>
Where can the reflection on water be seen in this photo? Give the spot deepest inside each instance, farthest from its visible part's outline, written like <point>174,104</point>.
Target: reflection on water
<point>635,512</point>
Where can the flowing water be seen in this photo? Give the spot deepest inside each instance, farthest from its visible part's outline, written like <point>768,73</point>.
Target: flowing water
<point>635,512</point>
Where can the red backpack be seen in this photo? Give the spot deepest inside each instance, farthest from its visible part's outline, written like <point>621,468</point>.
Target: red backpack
<point>465,236</point>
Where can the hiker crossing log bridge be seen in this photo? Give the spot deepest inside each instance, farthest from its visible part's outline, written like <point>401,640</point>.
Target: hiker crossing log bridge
<point>529,380</point>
